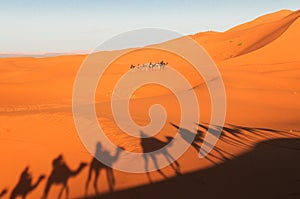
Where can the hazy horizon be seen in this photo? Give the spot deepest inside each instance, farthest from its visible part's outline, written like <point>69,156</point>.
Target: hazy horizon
<point>79,26</point>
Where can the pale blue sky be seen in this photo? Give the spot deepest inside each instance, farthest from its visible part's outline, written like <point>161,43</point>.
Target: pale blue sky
<point>71,25</point>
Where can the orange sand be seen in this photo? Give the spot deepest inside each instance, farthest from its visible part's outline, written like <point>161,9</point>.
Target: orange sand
<point>259,62</point>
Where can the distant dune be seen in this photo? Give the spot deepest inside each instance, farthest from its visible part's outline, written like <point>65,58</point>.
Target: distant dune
<point>41,54</point>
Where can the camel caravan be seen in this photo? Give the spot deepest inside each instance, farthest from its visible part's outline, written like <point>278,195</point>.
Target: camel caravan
<point>149,66</point>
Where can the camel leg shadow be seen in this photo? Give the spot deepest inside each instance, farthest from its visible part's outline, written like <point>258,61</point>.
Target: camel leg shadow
<point>156,166</point>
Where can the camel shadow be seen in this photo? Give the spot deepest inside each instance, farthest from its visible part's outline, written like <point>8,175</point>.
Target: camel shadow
<point>24,185</point>
<point>152,144</point>
<point>96,166</point>
<point>60,174</point>
<point>241,135</point>
<point>231,134</point>
<point>198,140</point>
<point>265,171</point>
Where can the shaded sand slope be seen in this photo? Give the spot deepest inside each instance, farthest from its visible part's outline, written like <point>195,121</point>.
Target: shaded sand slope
<point>269,170</point>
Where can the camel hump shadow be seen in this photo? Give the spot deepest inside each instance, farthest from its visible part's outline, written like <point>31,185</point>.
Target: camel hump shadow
<point>153,144</point>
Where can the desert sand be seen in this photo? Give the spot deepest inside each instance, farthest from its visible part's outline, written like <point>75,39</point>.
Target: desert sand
<point>260,66</point>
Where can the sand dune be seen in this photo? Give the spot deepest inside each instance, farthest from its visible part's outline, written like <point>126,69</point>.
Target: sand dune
<point>247,37</point>
<point>262,20</point>
<point>259,63</point>
<point>277,51</point>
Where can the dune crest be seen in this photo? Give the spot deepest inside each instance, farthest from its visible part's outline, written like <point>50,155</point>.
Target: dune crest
<point>247,38</point>
<point>262,20</point>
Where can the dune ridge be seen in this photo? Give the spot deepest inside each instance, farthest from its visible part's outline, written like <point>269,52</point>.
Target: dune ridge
<point>247,37</point>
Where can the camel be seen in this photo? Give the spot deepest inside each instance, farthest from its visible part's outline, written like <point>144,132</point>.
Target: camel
<point>132,66</point>
<point>163,64</point>
<point>60,174</point>
<point>3,192</point>
<point>152,144</point>
<point>25,185</point>
<point>150,66</point>
<point>96,166</point>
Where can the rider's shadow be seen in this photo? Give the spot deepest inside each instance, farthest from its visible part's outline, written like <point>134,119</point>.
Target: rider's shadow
<point>25,185</point>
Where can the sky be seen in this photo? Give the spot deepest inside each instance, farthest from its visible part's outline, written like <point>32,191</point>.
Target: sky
<point>81,25</point>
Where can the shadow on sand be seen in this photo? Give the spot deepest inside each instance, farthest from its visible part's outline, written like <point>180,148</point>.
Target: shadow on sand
<point>152,144</point>
<point>238,136</point>
<point>96,166</point>
<point>269,170</point>
<point>60,174</point>
<point>3,192</point>
<point>25,185</point>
